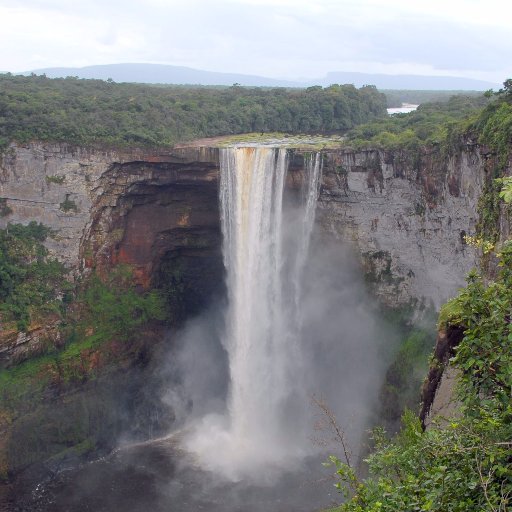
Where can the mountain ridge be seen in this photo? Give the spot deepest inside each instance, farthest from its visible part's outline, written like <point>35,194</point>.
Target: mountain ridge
<point>183,75</point>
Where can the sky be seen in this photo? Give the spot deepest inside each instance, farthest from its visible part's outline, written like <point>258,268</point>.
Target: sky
<point>288,39</point>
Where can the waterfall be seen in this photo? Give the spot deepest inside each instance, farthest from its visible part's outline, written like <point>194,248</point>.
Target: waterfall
<point>265,250</point>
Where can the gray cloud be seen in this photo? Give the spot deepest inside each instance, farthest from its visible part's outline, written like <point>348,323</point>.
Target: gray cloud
<point>283,39</point>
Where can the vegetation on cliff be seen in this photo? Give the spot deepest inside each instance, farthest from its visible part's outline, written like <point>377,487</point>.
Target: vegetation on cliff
<point>463,464</point>
<point>401,389</point>
<point>90,112</point>
<point>485,119</point>
<point>493,129</point>
<point>494,125</point>
<point>103,326</point>
<point>31,283</point>
<point>111,307</point>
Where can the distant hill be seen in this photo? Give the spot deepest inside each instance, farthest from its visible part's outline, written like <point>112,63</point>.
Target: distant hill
<point>167,74</point>
<point>163,74</point>
<point>415,82</point>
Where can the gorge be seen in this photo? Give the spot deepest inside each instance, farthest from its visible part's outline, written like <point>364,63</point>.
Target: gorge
<point>401,219</point>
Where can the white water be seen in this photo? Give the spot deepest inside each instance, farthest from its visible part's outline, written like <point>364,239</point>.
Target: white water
<point>265,250</point>
<point>404,109</point>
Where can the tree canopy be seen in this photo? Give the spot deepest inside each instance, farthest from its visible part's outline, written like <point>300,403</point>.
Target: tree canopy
<point>98,112</point>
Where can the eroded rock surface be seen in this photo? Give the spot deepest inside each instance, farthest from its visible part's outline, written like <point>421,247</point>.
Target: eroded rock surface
<point>407,218</point>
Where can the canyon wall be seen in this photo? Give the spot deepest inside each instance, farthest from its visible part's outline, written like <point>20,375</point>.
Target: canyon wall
<point>406,214</point>
<point>405,217</point>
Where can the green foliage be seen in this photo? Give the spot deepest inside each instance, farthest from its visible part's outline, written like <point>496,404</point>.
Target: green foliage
<point>405,375</point>
<point>68,205</point>
<point>116,309</point>
<point>451,313</point>
<point>31,283</point>
<point>97,112</point>
<point>432,123</point>
<point>485,355</point>
<point>494,127</point>
<point>507,88</point>
<point>487,226</point>
<point>506,189</point>
<point>59,180</point>
<point>103,311</point>
<point>465,465</point>
<point>459,468</point>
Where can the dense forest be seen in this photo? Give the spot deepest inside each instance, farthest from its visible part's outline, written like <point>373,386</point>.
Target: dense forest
<point>431,124</point>
<point>485,119</point>
<point>98,112</point>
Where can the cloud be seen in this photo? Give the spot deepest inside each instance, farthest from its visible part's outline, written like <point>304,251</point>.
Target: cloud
<point>282,38</point>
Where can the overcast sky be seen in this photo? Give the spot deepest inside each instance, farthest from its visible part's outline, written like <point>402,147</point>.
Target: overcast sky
<point>276,38</point>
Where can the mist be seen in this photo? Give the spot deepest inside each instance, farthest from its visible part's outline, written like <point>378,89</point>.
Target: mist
<point>325,341</point>
<point>244,433</point>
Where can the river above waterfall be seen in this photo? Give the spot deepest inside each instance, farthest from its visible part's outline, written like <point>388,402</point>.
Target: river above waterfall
<point>404,109</point>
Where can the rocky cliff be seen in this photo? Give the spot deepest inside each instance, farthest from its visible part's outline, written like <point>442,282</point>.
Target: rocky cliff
<point>106,208</point>
<point>495,226</point>
<point>405,217</point>
<point>80,193</point>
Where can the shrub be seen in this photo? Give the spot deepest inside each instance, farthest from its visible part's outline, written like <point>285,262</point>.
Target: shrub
<point>466,465</point>
<point>30,281</point>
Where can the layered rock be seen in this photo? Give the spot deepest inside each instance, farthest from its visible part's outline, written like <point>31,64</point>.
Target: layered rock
<point>407,216</point>
<point>116,207</point>
<point>74,190</point>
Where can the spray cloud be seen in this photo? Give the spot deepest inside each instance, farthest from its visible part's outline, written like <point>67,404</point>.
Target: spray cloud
<point>297,323</point>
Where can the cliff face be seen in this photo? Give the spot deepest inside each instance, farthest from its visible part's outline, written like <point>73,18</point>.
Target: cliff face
<point>81,194</point>
<point>159,213</point>
<point>438,396</point>
<point>107,208</point>
<point>407,217</point>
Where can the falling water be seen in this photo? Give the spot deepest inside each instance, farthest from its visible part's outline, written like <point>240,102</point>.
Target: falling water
<point>264,254</point>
